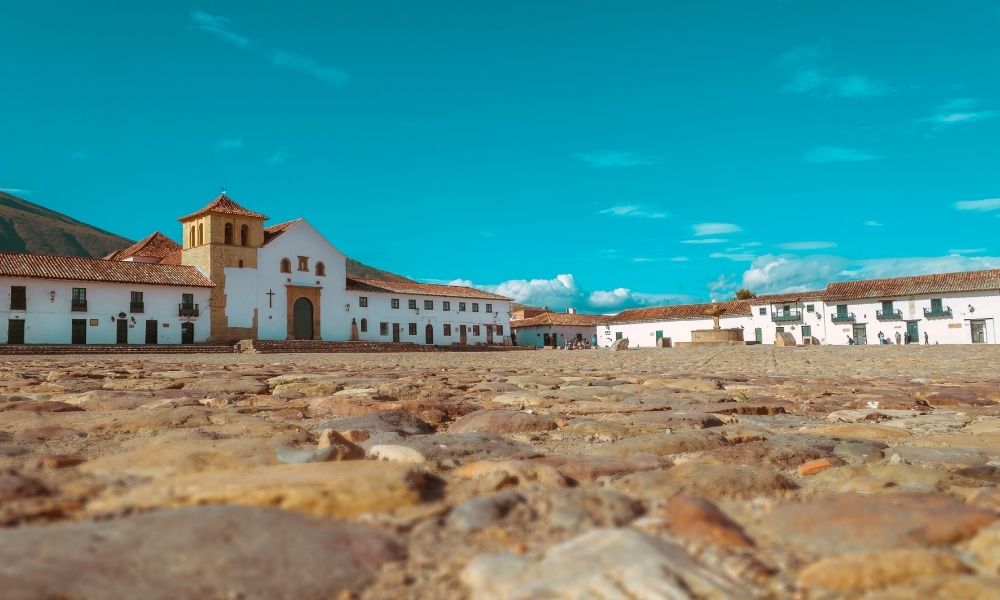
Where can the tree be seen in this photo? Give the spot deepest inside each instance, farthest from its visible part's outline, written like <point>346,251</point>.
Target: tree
<point>744,294</point>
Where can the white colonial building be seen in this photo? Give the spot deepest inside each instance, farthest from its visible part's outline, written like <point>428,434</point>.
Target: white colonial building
<point>552,330</point>
<point>801,314</point>
<point>231,279</point>
<point>645,327</point>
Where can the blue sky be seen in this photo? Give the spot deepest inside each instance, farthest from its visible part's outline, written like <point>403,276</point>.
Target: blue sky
<point>595,154</point>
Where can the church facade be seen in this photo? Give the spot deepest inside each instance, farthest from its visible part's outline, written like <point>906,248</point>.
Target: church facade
<point>232,278</point>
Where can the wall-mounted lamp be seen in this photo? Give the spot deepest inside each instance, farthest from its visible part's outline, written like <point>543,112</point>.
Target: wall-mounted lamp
<point>971,309</point>
<point>52,296</point>
<point>347,307</point>
<point>133,320</point>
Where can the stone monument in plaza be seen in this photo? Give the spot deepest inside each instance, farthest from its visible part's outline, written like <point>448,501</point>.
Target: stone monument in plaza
<point>717,336</point>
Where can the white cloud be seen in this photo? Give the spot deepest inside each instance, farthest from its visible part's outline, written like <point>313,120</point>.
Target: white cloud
<point>679,259</point>
<point>715,228</point>
<point>957,111</point>
<point>807,245</point>
<point>646,259</point>
<point>226,144</point>
<point>705,241</point>
<point>872,223</point>
<point>562,292</point>
<point>633,210</point>
<point>830,154</point>
<point>18,191</point>
<point>721,288</point>
<point>279,157</point>
<point>770,273</point>
<point>219,27</point>
<point>330,75</point>
<point>967,251</point>
<point>735,256</point>
<point>809,73</point>
<point>616,159</point>
<point>984,205</point>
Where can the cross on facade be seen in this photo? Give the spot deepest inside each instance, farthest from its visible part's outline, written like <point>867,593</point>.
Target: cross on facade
<point>270,298</point>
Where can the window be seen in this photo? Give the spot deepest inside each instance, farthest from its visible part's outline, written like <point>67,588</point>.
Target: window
<point>428,305</point>
<point>786,309</point>
<point>244,235</point>
<point>763,310</point>
<point>187,300</point>
<point>286,265</point>
<point>499,329</point>
<point>841,311</point>
<point>383,329</point>
<point>807,331</point>
<point>447,329</point>
<point>320,269</point>
<point>201,233</point>
<point>192,240</point>
<point>618,335</point>
<point>136,304</point>
<point>363,301</point>
<point>79,300</point>
<point>364,325</point>
<point>241,263</point>
<point>475,307</point>
<point>18,297</point>
<point>394,303</point>
<point>489,308</point>
<point>445,305</point>
<point>475,330</point>
<point>461,307</point>
<point>229,233</point>
<point>412,329</point>
<point>810,308</point>
<point>412,304</point>
<point>303,263</point>
<point>936,305</point>
<point>886,306</point>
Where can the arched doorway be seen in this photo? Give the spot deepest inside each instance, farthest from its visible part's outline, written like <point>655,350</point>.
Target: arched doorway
<point>429,334</point>
<point>302,319</point>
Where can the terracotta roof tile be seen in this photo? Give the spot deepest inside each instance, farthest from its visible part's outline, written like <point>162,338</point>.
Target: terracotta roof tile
<point>567,319</point>
<point>74,268</point>
<point>275,230</point>
<point>788,297</point>
<point>419,289</point>
<point>224,205</point>
<point>154,245</point>
<point>733,308</point>
<point>941,283</point>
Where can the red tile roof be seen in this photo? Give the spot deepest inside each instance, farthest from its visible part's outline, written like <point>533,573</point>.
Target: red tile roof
<point>567,319</point>
<point>788,297</point>
<point>941,283</point>
<point>732,308</point>
<point>154,245</point>
<point>275,230</point>
<point>74,268</point>
<point>419,289</point>
<point>224,205</point>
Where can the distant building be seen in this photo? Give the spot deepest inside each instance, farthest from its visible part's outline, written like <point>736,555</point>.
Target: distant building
<point>233,278</point>
<point>550,329</point>
<point>644,327</point>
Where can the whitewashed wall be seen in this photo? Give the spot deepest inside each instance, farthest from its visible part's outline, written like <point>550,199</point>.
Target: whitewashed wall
<point>247,289</point>
<point>643,335</point>
<point>49,321</point>
<point>535,336</point>
<point>817,320</point>
<point>379,310</point>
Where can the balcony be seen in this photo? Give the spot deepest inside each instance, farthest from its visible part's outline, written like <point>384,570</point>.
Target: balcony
<point>842,318</point>
<point>18,305</point>
<point>889,315</point>
<point>941,312</point>
<point>784,316</point>
<point>188,310</point>
<point>137,307</point>
<point>78,305</point>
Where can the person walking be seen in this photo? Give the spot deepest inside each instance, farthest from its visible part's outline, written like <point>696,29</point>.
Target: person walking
<point>881,338</point>
<point>899,338</point>
<point>927,340</point>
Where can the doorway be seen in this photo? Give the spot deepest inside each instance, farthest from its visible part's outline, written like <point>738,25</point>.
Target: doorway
<point>79,331</point>
<point>395,333</point>
<point>15,331</point>
<point>463,337</point>
<point>758,335</point>
<point>860,334</point>
<point>807,331</point>
<point>546,341</point>
<point>978,331</point>
<point>489,334</point>
<point>302,319</point>
<point>122,332</point>
<point>429,334</point>
<point>187,333</point>
<point>151,331</point>
<point>912,332</point>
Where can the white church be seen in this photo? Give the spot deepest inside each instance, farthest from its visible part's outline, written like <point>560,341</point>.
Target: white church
<point>232,278</point>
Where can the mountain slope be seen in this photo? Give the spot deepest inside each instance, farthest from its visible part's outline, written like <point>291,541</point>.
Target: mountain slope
<point>28,227</point>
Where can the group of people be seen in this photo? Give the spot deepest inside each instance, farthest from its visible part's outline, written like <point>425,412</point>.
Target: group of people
<point>901,338</point>
<point>571,344</point>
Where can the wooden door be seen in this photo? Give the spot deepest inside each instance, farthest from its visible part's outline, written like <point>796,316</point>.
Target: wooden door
<point>395,333</point>
<point>489,334</point>
<point>429,334</point>
<point>15,331</point>
<point>913,330</point>
<point>187,333</point>
<point>79,331</point>
<point>151,331</point>
<point>302,319</point>
<point>122,332</point>
<point>463,337</point>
